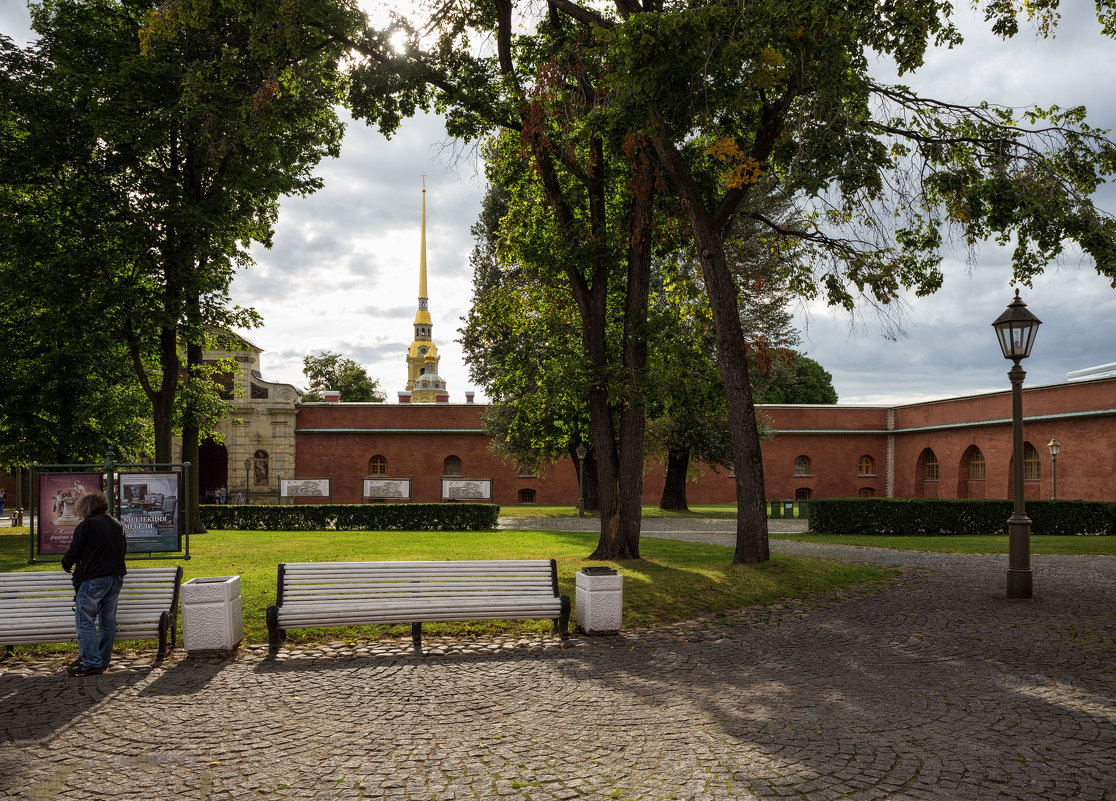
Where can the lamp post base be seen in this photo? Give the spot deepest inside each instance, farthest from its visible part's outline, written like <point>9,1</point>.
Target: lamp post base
<point>1019,574</point>
<point>1019,583</point>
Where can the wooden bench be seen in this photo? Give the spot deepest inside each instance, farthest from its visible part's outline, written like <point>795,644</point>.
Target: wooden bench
<point>313,594</point>
<point>38,606</point>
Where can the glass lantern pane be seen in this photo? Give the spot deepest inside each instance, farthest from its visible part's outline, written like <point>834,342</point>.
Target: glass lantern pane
<point>1005,341</point>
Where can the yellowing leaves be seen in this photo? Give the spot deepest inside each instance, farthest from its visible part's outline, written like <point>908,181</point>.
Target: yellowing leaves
<point>740,169</point>
<point>771,58</point>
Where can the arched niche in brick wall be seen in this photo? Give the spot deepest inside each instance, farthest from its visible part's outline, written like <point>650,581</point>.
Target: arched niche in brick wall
<point>926,474</point>
<point>971,474</point>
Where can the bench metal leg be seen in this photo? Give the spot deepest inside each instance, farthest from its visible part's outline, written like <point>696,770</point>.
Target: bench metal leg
<point>416,636</point>
<point>164,622</point>
<point>274,634</point>
<point>562,623</point>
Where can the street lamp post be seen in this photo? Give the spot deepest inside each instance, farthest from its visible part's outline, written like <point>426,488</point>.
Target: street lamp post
<point>247,479</point>
<point>1016,329</point>
<point>581,451</point>
<point>1054,446</point>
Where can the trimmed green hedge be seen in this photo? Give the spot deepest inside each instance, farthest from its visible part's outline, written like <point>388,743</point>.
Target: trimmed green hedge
<point>353,517</point>
<point>932,516</point>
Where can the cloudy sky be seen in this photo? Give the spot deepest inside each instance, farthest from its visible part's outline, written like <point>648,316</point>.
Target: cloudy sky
<point>343,272</point>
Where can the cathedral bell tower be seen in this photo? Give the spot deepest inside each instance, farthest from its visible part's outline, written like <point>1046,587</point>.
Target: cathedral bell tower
<point>424,385</point>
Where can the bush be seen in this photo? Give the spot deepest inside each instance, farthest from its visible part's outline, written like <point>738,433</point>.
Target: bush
<point>932,516</point>
<point>353,517</point>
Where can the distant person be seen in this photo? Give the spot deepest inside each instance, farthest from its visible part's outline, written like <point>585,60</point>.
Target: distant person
<point>222,495</point>
<point>3,500</point>
<point>96,560</point>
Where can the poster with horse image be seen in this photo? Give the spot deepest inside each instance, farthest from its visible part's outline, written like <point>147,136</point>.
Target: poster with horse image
<point>149,510</point>
<point>57,507</point>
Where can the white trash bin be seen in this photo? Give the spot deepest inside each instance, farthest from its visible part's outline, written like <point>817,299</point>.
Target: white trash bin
<point>599,602</point>
<point>212,619</point>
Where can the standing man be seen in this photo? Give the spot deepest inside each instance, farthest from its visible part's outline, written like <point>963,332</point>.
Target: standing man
<point>3,500</point>
<point>96,560</point>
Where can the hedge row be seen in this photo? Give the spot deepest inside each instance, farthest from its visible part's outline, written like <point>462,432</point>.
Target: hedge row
<point>907,516</point>
<point>352,517</point>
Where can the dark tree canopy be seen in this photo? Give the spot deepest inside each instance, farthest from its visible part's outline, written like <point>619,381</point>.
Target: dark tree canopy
<point>168,131</point>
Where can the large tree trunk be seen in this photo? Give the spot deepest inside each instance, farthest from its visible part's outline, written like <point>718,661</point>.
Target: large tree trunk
<point>161,397</point>
<point>633,417</point>
<point>191,443</point>
<point>732,358</point>
<point>674,489</point>
<point>162,406</point>
<point>751,517</point>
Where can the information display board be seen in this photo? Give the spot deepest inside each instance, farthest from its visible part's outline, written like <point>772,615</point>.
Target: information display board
<point>378,487</point>
<point>466,489</point>
<point>149,509</point>
<point>305,488</point>
<point>57,502</point>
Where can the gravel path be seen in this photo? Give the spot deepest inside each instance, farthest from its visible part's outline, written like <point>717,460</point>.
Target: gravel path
<point>935,687</point>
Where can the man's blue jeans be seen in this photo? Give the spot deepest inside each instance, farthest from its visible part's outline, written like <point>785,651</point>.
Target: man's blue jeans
<point>96,604</point>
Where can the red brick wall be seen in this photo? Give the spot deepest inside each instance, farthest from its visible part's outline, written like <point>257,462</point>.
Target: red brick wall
<point>1079,415</point>
<point>416,439</point>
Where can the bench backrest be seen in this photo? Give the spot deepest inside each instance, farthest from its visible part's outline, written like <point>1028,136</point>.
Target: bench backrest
<point>37,606</point>
<point>325,581</point>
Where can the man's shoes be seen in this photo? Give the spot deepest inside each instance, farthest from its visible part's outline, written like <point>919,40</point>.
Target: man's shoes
<point>78,669</point>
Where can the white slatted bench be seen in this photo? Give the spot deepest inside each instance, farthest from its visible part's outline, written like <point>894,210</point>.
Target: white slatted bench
<point>324,594</point>
<point>38,606</point>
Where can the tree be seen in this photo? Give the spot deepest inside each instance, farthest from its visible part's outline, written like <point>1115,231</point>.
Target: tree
<point>794,378</point>
<point>573,193</point>
<point>196,119</point>
<point>521,343</point>
<point>332,371</point>
<point>68,395</point>
<point>187,116</point>
<point>691,423</point>
<point>730,94</point>
<point>718,96</point>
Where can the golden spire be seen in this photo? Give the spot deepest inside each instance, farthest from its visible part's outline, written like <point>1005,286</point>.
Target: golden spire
<point>422,356</point>
<point>422,262</point>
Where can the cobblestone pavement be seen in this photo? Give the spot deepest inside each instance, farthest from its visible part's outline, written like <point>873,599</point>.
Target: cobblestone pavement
<point>935,687</point>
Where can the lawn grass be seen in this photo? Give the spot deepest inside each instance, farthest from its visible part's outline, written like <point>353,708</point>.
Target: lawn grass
<point>674,581</point>
<point>992,543</point>
<point>705,511</point>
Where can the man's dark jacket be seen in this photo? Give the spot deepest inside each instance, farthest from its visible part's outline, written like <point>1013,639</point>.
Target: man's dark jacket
<point>98,549</point>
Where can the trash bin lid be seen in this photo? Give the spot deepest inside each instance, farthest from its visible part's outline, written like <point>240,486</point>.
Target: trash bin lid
<point>599,570</point>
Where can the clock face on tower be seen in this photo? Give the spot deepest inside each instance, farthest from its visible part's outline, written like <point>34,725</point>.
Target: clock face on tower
<point>422,351</point>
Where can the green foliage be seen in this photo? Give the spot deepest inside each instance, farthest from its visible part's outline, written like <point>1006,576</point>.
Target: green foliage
<point>1042,14</point>
<point>172,130</point>
<point>67,393</point>
<point>521,343</point>
<point>794,379</point>
<point>353,517</point>
<point>909,516</point>
<point>331,371</point>
<point>787,89</point>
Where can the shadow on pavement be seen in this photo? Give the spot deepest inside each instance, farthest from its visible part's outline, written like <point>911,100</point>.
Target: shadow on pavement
<point>34,707</point>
